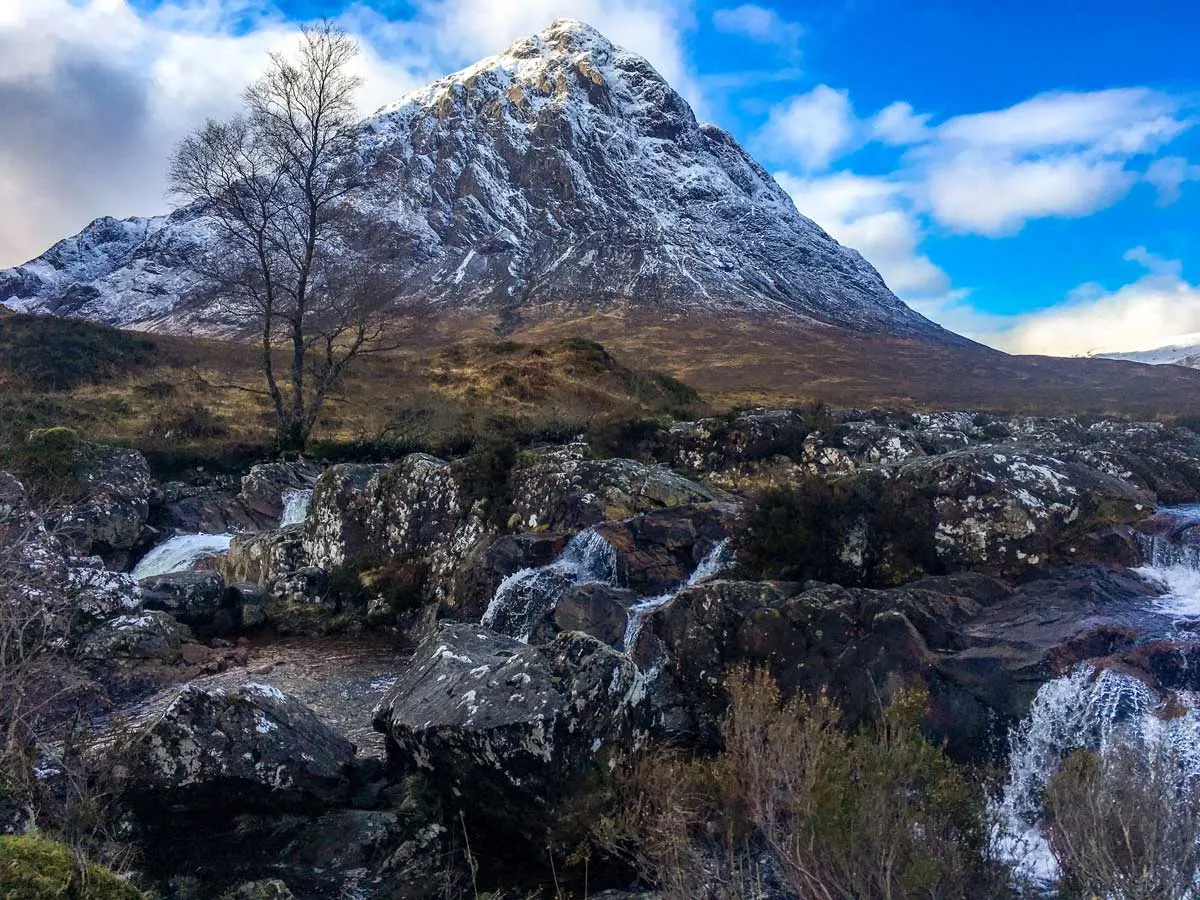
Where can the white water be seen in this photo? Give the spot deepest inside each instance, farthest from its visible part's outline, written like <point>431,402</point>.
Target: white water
<point>524,597</point>
<point>295,507</point>
<point>1174,565</point>
<point>181,553</point>
<point>716,560</point>
<point>1083,710</point>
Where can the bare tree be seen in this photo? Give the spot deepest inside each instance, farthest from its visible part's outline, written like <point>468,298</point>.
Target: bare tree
<point>293,257</point>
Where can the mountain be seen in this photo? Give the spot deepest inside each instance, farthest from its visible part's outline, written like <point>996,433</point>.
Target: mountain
<point>1184,350</point>
<point>562,174</point>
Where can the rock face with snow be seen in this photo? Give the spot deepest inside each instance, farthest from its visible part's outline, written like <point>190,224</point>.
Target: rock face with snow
<point>563,173</point>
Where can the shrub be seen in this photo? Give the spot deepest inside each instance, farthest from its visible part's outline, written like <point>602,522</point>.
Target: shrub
<point>623,437</point>
<point>47,462</point>
<point>795,804</point>
<point>864,530</point>
<point>486,472</point>
<point>1124,824</point>
<point>56,354</point>
<point>36,868</point>
<point>193,422</point>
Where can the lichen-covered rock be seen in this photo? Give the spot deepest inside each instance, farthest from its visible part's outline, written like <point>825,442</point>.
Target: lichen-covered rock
<point>197,599</point>
<point>366,516</point>
<point>561,489</point>
<point>141,636</point>
<point>116,503</point>
<point>262,557</point>
<point>504,729</point>
<point>851,446</point>
<point>227,746</point>
<point>1008,510</point>
<point>659,550</point>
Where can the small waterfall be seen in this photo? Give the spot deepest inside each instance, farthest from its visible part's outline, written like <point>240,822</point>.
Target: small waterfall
<point>1085,709</point>
<point>716,560</point>
<point>524,598</point>
<point>1172,561</point>
<point>295,507</point>
<point>181,553</point>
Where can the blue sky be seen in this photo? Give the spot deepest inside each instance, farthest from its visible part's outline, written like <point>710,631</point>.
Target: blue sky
<point>1027,173</point>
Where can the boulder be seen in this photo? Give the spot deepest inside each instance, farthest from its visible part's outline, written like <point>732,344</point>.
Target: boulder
<point>150,635</point>
<point>109,519</point>
<point>600,610</point>
<point>851,446</point>
<point>368,516</point>
<point>504,730</point>
<point>1008,510</point>
<point>225,747</point>
<point>197,599</point>
<point>262,557</point>
<point>561,489</point>
<point>660,550</point>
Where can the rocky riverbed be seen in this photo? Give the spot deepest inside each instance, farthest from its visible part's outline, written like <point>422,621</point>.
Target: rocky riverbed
<point>390,655</point>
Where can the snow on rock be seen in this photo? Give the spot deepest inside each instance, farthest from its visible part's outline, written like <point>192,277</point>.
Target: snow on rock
<point>563,172</point>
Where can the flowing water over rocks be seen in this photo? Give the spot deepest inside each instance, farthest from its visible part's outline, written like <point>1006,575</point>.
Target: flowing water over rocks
<point>181,553</point>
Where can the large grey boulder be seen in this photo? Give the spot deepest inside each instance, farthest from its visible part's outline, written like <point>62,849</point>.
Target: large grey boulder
<point>115,505</point>
<point>197,599</point>
<point>225,746</point>
<point>506,730</point>
<point>262,557</point>
<point>149,635</point>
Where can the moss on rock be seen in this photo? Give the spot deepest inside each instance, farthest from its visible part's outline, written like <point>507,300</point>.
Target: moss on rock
<point>36,868</point>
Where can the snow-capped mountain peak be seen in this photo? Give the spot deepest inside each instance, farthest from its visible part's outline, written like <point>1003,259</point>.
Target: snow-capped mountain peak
<point>562,173</point>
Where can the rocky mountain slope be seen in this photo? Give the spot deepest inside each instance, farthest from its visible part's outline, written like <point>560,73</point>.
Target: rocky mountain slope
<point>1184,350</point>
<point>563,173</point>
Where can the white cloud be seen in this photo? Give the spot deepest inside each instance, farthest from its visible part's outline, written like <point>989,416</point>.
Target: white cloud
<point>898,124</point>
<point>870,215</point>
<point>1143,315</point>
<point>761,24</point>
<point>811,129</point>
<point>995,195</point>
<point>1168,176</point>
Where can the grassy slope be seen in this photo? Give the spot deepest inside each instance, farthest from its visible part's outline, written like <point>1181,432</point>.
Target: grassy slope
<point>456,380</point>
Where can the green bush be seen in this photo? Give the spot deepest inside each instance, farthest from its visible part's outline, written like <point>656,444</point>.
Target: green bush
<point>863,530</point>
<point>48,461</point>
<point>35,868</point>
<point>486,473</point>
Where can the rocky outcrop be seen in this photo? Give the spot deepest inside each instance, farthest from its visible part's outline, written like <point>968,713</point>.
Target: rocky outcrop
<point>265,486</point>
<point>660,549</point>
<point>197,599</point>
<point>109,519</point>
<point>366,516</point>
<point>506,730</point>
<point>263,557</point>
<point>226,747</point>
<point>562,489</point>
<point>491,562</point>
<point>150,635</point>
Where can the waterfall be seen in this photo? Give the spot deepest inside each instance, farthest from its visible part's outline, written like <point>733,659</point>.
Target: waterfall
<point>716,560</point>
<point>295,507</point>
<point>1172,562</point>
<point>181,553</point>
<point>524,598</point>
<point>1090,710</point>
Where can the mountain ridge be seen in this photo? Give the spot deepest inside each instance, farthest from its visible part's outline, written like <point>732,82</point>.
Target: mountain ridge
<point>561,174</point>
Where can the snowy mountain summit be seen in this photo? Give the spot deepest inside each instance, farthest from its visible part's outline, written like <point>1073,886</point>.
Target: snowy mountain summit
<point>563,174</point>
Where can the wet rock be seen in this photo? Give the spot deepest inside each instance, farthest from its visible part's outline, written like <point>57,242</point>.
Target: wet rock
<point>267,889</point>
<point>600,610</point>
<point>222,746</point>
<point>262,557</point>
<point>503,729</point>
<point>197,599</point>
<point>150,635</point>
<point>560,489</point>
<point>116,503</point>
<point>660,549</point>
<point>264,486</point>
<point>483,570</point>
<point>367,516</point>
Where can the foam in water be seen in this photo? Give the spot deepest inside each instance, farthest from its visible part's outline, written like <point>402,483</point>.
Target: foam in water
<point>1083,710</point>
<point>295,507</point>
<point>1174,565</point>
<point>181,553</point>
<point>524,598</point>
<point>716,560</point>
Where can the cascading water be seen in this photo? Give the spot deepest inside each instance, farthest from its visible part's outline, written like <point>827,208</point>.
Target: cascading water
<point>181,553</point>
<point>295,507</point>
<point>716,560</point>
<point>1173,562</point>
<point>525,597</point>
